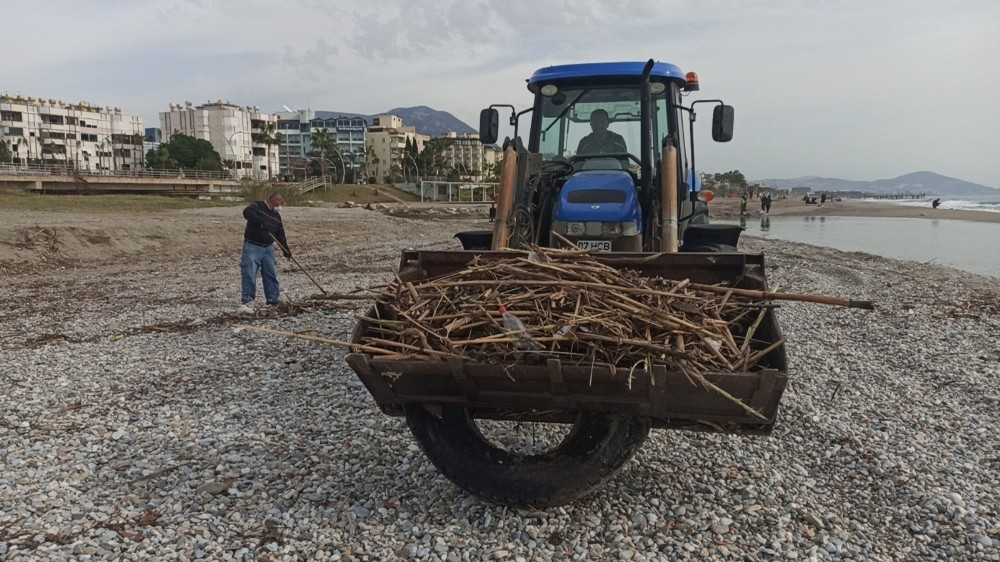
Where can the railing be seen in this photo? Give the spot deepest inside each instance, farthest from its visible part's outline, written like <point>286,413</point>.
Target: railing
<point>312,183</point>
<point>456,192</point>
<point>69,170</point>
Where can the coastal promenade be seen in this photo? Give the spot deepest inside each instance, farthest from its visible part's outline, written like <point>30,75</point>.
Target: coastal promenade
<point>188,183</point>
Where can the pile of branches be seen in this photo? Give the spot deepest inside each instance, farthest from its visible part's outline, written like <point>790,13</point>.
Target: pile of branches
<point>573,308</point>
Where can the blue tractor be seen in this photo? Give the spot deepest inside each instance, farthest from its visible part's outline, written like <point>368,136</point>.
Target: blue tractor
<point>593,172</point>
<point>608,167</point>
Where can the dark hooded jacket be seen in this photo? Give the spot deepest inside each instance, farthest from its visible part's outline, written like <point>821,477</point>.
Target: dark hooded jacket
<point>262,222</point>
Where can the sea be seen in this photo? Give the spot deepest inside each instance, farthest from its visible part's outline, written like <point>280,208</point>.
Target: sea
<point>967,245</point>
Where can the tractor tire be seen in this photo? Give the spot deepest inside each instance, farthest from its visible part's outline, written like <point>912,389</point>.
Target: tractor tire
<point>595,448</point>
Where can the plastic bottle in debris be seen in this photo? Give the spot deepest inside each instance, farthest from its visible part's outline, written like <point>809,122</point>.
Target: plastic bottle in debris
<point>513,325</point>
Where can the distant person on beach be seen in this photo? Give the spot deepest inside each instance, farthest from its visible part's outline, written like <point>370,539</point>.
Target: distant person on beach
<point>822,199</point>
<point>493,212</point>
<point>743,202</point>
<point>936,203</point>
<point>765,203</point>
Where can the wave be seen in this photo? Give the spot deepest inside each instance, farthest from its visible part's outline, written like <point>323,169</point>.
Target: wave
<point>989,203</point>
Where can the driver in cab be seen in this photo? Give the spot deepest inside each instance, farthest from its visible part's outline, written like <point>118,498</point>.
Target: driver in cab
<point>601,140</point>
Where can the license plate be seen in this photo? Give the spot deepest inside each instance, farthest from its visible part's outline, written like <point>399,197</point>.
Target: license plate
<point>598,245</point>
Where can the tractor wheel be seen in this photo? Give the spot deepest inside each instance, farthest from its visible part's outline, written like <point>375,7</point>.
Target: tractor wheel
<point>592,450</point>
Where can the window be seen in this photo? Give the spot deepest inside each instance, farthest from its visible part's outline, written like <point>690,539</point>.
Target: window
<point>565,119</point>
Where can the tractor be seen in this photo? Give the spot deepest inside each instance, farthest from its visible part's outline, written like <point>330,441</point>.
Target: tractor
<point>608,167</point>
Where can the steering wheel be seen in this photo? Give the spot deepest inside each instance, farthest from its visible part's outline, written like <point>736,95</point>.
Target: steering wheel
<point>557,166</point>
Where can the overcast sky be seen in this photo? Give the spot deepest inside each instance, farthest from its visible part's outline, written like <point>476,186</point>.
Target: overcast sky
<point>859,90</point>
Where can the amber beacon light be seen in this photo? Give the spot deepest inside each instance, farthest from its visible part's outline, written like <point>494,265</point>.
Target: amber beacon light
<point>691,82</point>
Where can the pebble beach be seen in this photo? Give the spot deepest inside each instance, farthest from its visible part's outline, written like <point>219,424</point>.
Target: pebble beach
<point>137,423</point>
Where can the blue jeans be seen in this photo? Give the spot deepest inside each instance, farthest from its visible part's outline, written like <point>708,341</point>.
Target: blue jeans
<point>258,258</point>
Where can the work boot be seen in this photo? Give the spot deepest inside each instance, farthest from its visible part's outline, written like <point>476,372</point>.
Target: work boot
<point>245,308</point>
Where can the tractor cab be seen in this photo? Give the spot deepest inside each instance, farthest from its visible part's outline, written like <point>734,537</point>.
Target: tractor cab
<point>596,142</point>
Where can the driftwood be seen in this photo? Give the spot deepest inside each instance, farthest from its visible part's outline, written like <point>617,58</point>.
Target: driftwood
<point>574,308</point>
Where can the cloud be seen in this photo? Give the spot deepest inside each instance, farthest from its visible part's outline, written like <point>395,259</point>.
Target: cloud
<point>853,89</point>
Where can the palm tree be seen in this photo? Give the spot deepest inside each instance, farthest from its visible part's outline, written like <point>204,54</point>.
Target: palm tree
<point>357,158</point>
<point>322,144</point>
<point>432,158</point>
<point>269,136</point>
<point>371,160</point>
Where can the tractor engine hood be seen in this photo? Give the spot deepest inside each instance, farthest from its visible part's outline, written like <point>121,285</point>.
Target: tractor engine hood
<point>599,195</point>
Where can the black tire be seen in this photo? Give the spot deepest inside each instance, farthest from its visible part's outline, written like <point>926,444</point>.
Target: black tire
<point>596,447</point>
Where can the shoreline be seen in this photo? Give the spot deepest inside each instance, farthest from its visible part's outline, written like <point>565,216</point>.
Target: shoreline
<point>729,208</point>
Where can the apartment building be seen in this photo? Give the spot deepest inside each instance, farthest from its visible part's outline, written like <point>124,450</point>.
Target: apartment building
<point>465,153</point>
<point>80,136</point>
<point>387,138</point>
<point>235,132</point>
<point>297,127</point>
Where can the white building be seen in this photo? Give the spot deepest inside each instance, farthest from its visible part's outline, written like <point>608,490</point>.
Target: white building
<point>466,154</point>
<point>297,128</point>
<point>387,139</point>
<point>80,135</point>
<point>236,133</point>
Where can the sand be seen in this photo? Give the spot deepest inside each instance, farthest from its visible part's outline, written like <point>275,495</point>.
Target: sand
<point>40,241</point>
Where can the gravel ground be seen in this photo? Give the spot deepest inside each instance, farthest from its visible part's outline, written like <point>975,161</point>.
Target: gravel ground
<point>137,424</point>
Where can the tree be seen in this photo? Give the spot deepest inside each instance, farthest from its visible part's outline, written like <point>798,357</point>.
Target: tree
<point>5,155</point>
<point>432,160</point>
<point>357,159</point>
<point>733,178</point>
<point>323,146</point>
<point>371,162</point>
<point>491,172</point>
<point>185,152</point>
<point>268,137</point>
<point>159,159</point>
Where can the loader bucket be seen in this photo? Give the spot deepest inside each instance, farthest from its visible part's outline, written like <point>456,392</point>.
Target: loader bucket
<point>551,390</point>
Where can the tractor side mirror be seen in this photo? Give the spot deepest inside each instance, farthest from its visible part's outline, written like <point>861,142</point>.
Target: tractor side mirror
<point>489,125</point>
<point>722,123</point>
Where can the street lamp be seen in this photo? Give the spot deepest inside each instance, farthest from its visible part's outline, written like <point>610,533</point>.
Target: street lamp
<point>415,167</point>
<point>111,153</point>
<point>237,158</point>
<point>417,170</point>
<point>343,165</point>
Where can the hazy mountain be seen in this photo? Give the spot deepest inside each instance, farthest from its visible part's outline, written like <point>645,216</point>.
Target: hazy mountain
<point>916,182</point>
<point>426,120</point>
<point>430,121</point>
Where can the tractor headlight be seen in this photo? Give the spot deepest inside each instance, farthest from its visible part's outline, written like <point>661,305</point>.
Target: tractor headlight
<point>576,228</point>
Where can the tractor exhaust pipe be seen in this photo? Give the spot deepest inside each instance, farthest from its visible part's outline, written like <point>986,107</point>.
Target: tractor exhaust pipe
<point>646,147</point>
<point>669,197</point>
<point>505,199</point>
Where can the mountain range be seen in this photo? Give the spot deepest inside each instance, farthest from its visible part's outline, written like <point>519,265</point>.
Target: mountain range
<point>426,120</point>
<point>928,183</point>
